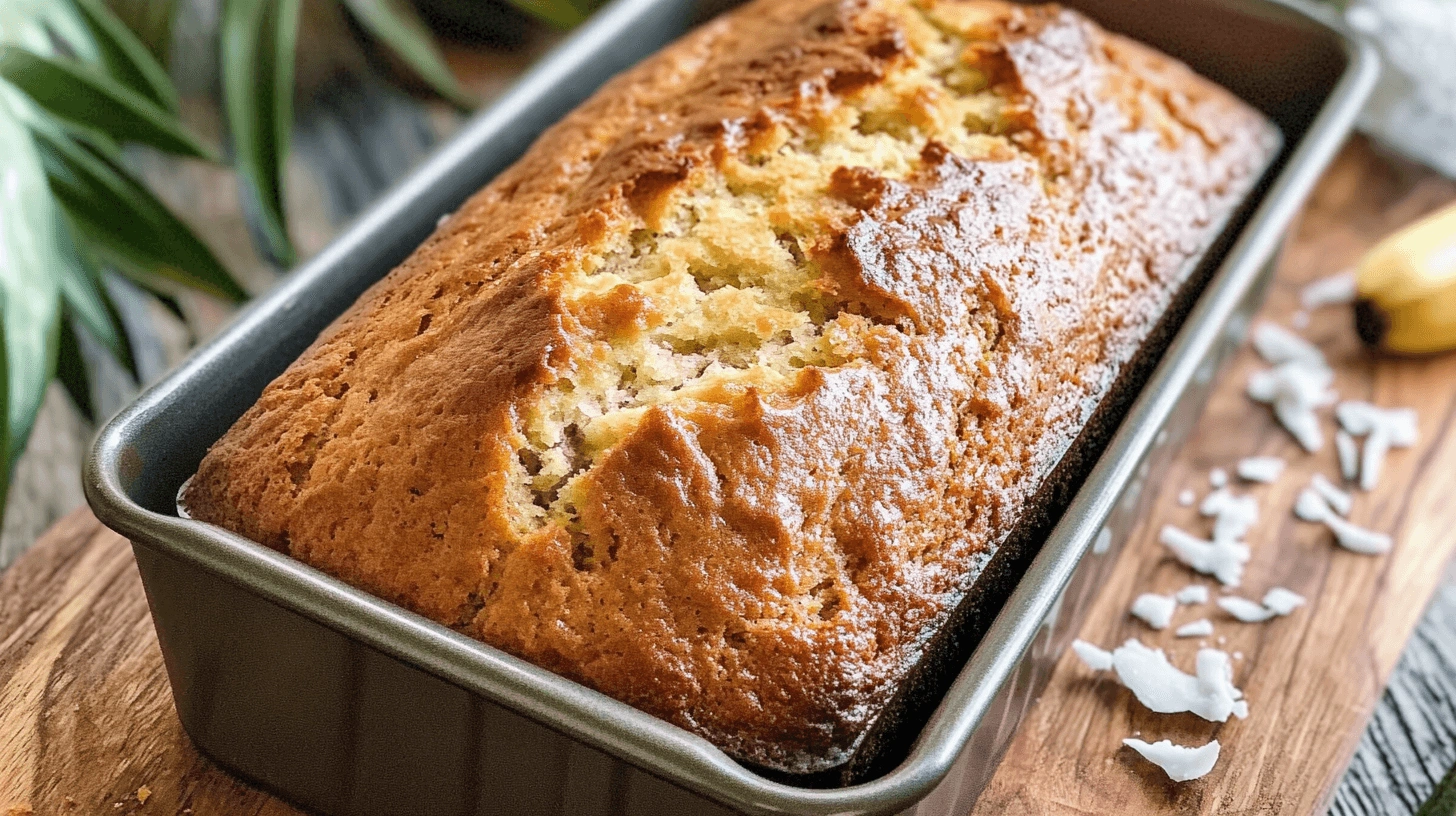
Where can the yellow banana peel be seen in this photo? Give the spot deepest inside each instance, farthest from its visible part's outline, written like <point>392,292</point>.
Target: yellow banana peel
<point>1406,288</point>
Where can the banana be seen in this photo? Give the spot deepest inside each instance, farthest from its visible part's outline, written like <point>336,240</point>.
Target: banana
<point>1406,288</point>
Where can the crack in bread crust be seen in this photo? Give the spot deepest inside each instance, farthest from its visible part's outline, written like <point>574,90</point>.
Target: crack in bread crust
<point>719,399</point>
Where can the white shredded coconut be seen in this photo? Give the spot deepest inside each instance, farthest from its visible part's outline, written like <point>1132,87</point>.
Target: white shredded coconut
<point>1295,388</point>
<point>1349,454</point>
<point>1336,290</point>
<point>1199,628</point>
<point>1192,594</point>
<point>1245,609</point>
<point>1096,658</point>
<point>1162,688</point>
<point>1383,429</point>
<point>1155,610</point>
<point>1103,542</point>
<point>1338,500</point>
<point>1277,344</point>
<point>1282,601</point>
<point>1221,558</point>
<point>1218,477</point>
<point>1187,497</point>
<point>1311,506</point>
<point>1179,762</point>
<point>1233,515</point>
<point>1264,469</point>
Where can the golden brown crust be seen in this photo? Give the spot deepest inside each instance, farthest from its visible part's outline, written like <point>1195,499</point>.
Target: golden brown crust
<point>758,560</point>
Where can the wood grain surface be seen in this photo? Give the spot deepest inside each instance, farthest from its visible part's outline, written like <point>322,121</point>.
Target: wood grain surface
<point>1312,679</point>
<point>87,723</point>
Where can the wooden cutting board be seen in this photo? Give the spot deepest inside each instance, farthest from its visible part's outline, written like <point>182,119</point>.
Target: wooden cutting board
<point>87,724</point>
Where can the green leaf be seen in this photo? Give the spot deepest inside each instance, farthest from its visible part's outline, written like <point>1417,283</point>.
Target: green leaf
<point>1443,798</point>
<point>125,57</point>
<point>151,21</point>
<point>257,56</point>
<point>396,24</point>
<point>76,92</point>
<point>31,308</point>
<point>124,223</point>
<point>86,300</point>
<point>560,13</point>
<point>71,371</point>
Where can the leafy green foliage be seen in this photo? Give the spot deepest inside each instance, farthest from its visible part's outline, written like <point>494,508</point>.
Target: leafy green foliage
<point>1443,798</point>
<point>257,40</point>
<point>75,84</point>
<point>560,13</point>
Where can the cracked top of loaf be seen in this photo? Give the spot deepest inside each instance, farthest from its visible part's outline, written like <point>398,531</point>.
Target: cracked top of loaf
<point>719,398</point>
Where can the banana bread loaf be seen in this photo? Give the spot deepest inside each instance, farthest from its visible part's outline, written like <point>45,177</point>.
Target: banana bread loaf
<point>722,399</point>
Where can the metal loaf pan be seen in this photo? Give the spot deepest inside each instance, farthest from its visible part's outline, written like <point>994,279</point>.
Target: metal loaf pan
<point>346,704</point>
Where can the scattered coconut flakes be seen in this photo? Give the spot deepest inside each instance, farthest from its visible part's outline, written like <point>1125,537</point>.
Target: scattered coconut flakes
<point>1192,594</point>
<point>1222,558</point>
<point>1264,469</point>
<point>1383,429</point>
<point>1349,454</point>
<point>1295,389</point>
<point>1233,515</point>
<point>1179,762</point>
<point>1155,610</point>
<point>1311,506</point>
<point>1338,500</point>
<point>1277,344</point>
<point>1187,497</point>
<point>1096,658</point>
<point>1164,689</point>
<point>1336,290</point>
<point>1358,539</point>
<point>1202,627</point>
<point>1218,477</point>
<point>1103,542</point>
<point>1245,609</point>
<point>1282,601</point>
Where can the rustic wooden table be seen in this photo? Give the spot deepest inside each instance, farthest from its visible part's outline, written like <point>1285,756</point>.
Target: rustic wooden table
<point>87,723</point>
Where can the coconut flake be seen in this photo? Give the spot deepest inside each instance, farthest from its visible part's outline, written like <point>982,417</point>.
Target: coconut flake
<point>1233,515</point>
<point>1179,762</point>
<point>1277,344</point>
<point>1336,290</point>
<point>1163,688</point>
<point>1245,609</point>
<point>1295,389</point>
<point>1218,477</point>
<point>1358,539</point>
<point>1186,498</point>
<point>1192,594</point>
<point>1096,658</point>
<point>1383,429</point>
<point>1349,453</point>
<point>1338,500</point>
<point>1264,469</point>
<point>1282,602</point>
<point>1155,610</point>
<point>1199,628</point>
<point>1311,506</point>
<point>1221,558</point>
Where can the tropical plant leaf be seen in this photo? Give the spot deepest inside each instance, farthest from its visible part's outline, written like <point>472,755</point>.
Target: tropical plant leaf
<point>78,93</point>
<point>560,13</point>
<point>151,21</point>
<point>257,56</point>
<point>86,300</point>
<point>124,223</point>
<point>124,56</point>
<point>71,370</point>
<point>396,24</point>
<point>31,306</point>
